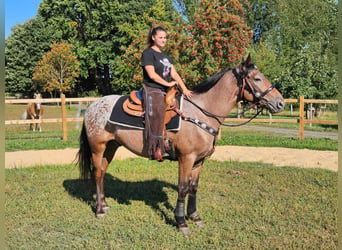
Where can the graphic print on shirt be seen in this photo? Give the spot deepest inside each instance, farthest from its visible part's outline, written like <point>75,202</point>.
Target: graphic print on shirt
<point>167,67</point>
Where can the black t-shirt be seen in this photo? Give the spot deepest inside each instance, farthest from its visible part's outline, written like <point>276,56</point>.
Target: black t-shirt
<point>162,66</point>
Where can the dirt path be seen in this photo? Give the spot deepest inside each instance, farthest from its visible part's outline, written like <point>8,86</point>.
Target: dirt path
<point>277,156</point>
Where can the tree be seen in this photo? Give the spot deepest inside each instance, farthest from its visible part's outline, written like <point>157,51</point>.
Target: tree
<point>126,68</point>
<point>97,31</point>
<point>303,36</point>
<point>23,49</point>
<point>261,17</point>
<point>306,42</point>
<point>58,68</point>
<point>217,39</point>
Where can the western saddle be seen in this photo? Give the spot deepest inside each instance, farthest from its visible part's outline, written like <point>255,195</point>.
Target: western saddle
<point>134,106</point>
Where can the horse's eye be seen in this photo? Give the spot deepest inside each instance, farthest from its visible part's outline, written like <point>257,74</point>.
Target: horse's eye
<point>257,79</point>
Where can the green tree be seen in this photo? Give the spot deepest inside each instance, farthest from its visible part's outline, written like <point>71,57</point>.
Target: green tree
<point>302,34</point>
<point>306,41</point>
<point>126,68</point>
<point>58,69</point>
<point>97,31</point>
<point>23,48</point>
<point>217,39</point>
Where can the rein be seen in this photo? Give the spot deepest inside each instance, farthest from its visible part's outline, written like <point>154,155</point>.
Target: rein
<point>242,84</point>
<point>207,113</point>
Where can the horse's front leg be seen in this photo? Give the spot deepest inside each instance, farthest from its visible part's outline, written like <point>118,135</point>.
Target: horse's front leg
<point>184,179</point>
<point>39,125</point>
<point>192,208</point>
<point>32,125</point>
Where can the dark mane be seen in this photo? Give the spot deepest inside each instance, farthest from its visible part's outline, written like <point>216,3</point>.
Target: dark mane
<point>209,83</point>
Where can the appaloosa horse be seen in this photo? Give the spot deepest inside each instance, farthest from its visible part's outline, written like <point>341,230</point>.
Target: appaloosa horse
<point>34,111</point>
<point>202,116</point>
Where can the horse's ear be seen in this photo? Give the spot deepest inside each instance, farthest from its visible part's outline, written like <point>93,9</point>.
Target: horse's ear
<point>244,65</point>
<point>248,60</point>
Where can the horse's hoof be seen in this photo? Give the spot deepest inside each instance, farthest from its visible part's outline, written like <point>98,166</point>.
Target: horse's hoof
<point>100,215</point>
<point>183,228</point>
<point>105,209</point>
<point>197,220</point>
<point>199,223</point>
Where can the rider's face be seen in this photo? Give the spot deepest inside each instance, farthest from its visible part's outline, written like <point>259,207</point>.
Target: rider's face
<point>159,38</point>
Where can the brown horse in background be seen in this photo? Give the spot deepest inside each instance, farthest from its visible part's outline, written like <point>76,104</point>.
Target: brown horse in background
<point>202,116</point>
<point>34,111</point>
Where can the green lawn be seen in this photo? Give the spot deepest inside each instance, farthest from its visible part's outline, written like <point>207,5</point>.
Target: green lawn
<point>244,206</point>
<point>18,137</point>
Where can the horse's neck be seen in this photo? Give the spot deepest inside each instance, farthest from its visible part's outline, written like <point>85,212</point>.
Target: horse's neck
<point>221,98</point>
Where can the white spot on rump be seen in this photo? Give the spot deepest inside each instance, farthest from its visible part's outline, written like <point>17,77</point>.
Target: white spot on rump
<point>98,113</point>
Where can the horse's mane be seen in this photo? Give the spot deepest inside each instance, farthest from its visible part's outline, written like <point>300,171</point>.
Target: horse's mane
<point>209,83</point>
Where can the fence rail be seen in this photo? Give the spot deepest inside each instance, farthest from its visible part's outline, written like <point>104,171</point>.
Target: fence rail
<point>301,119</point>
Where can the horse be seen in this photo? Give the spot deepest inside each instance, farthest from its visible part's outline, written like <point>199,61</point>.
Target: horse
<point>34,111</point>
<point>203,115</point>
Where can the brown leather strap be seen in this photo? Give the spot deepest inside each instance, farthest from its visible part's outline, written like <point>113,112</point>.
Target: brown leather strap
<point>134,98</point>
<point>170,95</point>
<point>132,109</point>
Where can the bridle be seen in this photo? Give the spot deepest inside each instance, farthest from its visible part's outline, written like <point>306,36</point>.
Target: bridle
<point>242,83</point>
<point>242,80</point>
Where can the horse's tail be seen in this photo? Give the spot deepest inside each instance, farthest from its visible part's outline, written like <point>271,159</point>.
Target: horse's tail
<point>84,156</point>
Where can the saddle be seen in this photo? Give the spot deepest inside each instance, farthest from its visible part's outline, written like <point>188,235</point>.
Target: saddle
<point>134,106</point>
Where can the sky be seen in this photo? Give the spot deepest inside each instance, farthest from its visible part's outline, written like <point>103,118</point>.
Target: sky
<point>19,11</point>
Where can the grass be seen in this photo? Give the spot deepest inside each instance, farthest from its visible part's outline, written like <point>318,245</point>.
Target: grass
<point>28,140</point>
<point>18,137</point>
<point>244,206</point>
<point>250,137</point>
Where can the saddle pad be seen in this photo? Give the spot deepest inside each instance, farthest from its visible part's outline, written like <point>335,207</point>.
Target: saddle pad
<point>120,117</point>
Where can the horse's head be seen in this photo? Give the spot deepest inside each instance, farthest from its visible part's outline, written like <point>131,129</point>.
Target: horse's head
<point>37,96</point>
<point>254,87</point>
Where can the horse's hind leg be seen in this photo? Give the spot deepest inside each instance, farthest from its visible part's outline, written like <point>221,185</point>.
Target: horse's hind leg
<point>101,160</point>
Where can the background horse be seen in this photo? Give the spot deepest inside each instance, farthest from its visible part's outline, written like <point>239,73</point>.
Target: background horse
<point>34,111</point>
<point>212,101</point>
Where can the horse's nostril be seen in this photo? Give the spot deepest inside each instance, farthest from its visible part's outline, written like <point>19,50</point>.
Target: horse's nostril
<point>281,104</point>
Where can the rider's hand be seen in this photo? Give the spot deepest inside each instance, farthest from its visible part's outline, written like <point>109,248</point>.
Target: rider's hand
<point>187,93</point>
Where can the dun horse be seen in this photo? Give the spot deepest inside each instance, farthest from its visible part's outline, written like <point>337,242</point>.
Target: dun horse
<point>203,115</point>
<point>34,111</point>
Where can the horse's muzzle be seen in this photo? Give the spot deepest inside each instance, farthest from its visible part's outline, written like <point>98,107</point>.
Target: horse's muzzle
<point>276,106</point>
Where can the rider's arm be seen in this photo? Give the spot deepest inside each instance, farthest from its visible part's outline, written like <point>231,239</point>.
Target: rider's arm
<point>156,78</point>
<point>178,79</point>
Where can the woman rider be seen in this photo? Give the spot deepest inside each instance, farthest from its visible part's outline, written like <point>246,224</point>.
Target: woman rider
<point>158,71</point>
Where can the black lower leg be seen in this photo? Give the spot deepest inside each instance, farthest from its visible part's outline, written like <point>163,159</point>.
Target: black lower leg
<point>191,204</point>
<point>179,212</point>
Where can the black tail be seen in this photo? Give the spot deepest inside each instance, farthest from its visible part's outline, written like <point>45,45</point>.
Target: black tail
<point>84,156</point>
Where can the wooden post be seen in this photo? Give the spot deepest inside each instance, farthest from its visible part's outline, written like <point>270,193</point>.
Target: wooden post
<point>64,121</point>
<point>78,114</point>
<point>301,117</point>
